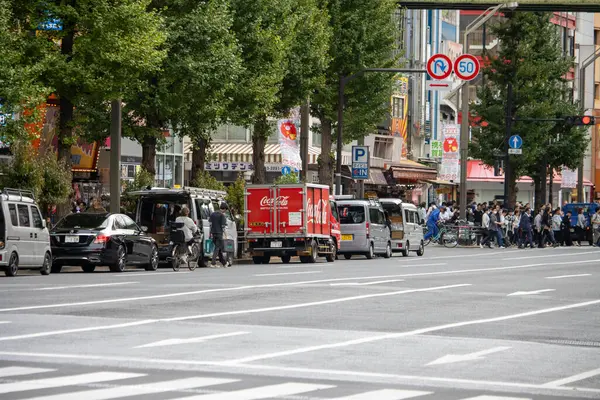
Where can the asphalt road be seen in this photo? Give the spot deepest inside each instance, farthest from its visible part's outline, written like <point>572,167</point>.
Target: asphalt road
<point>455,324</point>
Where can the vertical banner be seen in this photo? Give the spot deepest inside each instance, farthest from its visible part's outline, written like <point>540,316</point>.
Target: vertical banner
<point>436,149</point>
<point>450,170</point>
<point>399,116</point>
<point>569,178</point>
<point>288,143</point>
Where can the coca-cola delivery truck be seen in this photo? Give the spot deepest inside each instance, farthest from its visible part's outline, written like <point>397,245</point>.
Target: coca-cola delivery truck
<point>291,220</point>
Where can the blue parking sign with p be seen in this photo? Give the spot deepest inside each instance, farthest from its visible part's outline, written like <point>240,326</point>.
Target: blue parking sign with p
<point>360,162</point>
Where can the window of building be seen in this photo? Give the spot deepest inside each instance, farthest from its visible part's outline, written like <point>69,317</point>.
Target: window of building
<point>317,138</point>
<point>237,133</point>
<point>383,147</point>
<point>397,107</point>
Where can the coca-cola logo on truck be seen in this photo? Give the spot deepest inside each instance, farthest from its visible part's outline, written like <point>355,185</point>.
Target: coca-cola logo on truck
<point>317,213</point>
<point>280,201</point>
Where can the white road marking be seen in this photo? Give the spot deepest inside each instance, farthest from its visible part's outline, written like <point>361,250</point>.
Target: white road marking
<point>452,358</point>
<point>85,286</point>
<point>17,371</point>
<point>567,276</point>
<point>552,255</point>
<point>366,283</point>
<point>138,272</point>
<point>405,334</point>
<point>497,398</point>
<point>171,342</point>
<point>385,394</point>
<point>137,390</point>
<point>574,378</point>
<point>531,293</point>
<point>48,383</point>
<point>262,392</point>
<point>491,253</point>
<point>290,273</point>
<point>77,330</point>
<point>5,322</point>
<point>282,284</point>
<point>314,303</point>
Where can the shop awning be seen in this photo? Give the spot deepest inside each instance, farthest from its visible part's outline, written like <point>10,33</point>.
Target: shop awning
<point>412,171</point>
<point>376,177</point>
<point>477,171</point>
<point>440,182</point>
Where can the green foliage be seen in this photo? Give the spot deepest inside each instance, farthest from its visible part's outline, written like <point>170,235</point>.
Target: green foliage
<point>286,179</point>
<point>141,181</point>
<point>235,195</point>
<point>205,180</point>
<point>44,175</point>
<point>531,58</point>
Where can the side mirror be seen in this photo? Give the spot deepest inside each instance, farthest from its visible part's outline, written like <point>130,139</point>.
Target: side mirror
<point>144,229</point>
<point>43,224</point>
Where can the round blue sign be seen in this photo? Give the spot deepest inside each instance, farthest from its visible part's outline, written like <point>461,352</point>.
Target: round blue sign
<point>286,170</point>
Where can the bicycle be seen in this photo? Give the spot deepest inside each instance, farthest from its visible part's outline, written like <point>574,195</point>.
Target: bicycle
<point>184,253</point>
<point>446,236</point>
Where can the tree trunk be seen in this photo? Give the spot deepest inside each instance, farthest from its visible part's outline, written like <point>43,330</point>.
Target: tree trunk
<point>198,157</point>
<point>325,160</point>
<point>259,140</point>
<point>543,183</point>
<point>65,123</point>
<point>550,186</point>
<point>149,155</point>
<point>538,193</point>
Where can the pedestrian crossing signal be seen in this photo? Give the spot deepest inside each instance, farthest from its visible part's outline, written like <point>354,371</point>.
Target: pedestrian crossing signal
<point>582,120</point>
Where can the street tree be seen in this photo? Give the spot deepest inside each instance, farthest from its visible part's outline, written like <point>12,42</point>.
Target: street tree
<point>363,35</point>
<point>530,59</point>
<point>93,53</point>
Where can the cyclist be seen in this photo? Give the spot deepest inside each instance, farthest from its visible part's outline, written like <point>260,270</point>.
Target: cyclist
<point>189,229</point>
<point>432,220</point>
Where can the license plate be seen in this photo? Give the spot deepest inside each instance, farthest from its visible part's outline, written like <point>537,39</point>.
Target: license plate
<point>276,244</point>
<point>71,239</point>
<point>347,237</point>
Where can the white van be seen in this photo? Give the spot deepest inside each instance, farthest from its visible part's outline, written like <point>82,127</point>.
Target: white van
<point>407,229</point>
<point>24,238</point>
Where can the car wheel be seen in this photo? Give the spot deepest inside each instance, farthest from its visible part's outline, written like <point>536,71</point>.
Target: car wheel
<point>88,268</point>
<point>421,250</point>
<point>13,265</point>
<point>333,256</point>
<point>371,253</point>
<point>153,261</point>
<point>119,265</point>
<point>404,252</point>
<point>56,268</point>
<point>347,256</point>
<point>47,265</point>
<point>286,259</point>
<point>388,251</point>
<point>257,259</point>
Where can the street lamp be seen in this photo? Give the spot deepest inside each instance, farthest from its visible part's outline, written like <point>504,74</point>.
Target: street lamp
<point>464,127</point>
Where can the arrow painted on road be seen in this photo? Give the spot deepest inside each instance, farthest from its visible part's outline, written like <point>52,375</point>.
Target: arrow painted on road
<point>452,358</point>
<point>533,292</point>
<point>171,342</point>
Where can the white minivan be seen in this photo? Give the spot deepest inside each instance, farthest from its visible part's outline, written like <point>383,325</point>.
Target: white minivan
<point>24,237</point>
<point>407,228</point>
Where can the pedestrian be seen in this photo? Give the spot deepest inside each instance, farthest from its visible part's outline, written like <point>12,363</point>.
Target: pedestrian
<point>580,226</point>
<point>596,227</point>
<point>189,229</point>
<point>96,207</point>
<point>485,230</point>
<point>557,226</point>
<point>566,230</point>
<point>218,226</point>
<point>525,226</point>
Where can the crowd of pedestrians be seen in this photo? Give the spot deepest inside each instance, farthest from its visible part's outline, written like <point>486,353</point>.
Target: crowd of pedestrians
<point>523,226</point>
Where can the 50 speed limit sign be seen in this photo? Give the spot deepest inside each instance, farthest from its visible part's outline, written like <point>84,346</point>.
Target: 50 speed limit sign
<point>466,67</point>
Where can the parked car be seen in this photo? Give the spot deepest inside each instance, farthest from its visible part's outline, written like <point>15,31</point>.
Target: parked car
<point>406,225</point>
<point>24,238</point>
<point>89,240</point>
<point>364,229</point>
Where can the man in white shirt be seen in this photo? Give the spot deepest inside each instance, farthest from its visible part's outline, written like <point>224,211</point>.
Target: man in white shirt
<point>189,226</point>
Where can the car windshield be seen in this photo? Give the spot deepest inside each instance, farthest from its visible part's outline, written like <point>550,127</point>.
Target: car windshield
<point>351,214</point>
<point>83,221</point>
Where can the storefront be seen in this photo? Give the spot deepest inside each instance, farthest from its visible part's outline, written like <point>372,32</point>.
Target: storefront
<point>169,162</point>
<point>408,177</point>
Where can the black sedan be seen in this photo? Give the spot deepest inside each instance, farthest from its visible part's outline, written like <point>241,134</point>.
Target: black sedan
<point>93,239</point>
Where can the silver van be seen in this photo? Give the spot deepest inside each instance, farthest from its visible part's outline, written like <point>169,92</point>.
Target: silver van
<point>24,237</point>
<point>364,229</point>
<point>407,228</point>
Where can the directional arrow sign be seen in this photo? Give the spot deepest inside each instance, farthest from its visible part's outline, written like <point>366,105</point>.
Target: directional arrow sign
<point>533,292</point>
<point>452,358</point>
<point>171,342</point>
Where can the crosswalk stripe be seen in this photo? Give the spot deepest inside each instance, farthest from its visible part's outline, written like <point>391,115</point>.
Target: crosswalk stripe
<point>137,390</point>
<point>16,371</point>
<point>262,392</point>
<point>385,394</point>
<point>65,381</point>
<point>497,398</point>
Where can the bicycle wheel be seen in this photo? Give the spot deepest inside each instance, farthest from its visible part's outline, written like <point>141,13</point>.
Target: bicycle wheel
<point>449,238</point>
<point>426,241</point>
<point>176,261</point>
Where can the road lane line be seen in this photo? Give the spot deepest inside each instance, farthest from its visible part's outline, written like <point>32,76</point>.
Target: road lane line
<point>83,286</point>
<point>138,390</point>
<point>61,381</point>
<point>128,272</point>
<point>290,273</point>
<point>4,322</point>
<point>485,397</point>
<point>551,255</point>
<point>89,329</point>
<point>284,284</point>
<point>574,378</point>
<point>366,283</point>
<point>18,371</point>
<point>261,392</point>
<point>405,334</point>
<point>314,303</point>
<point>567,276</point>
<point>385,394</point>
<point>171,342</point>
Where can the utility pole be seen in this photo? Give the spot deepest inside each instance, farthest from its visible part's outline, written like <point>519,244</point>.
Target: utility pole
<point>509,120</point>
<point>115,157</point>
<point>304,133</point>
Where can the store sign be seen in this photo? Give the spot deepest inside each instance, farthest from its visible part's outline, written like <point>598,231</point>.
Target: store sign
<point>450,169</point>
<point>436,149</point>
<point>240,166</point>
<point>569,178</point>
<point>410,175</point>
